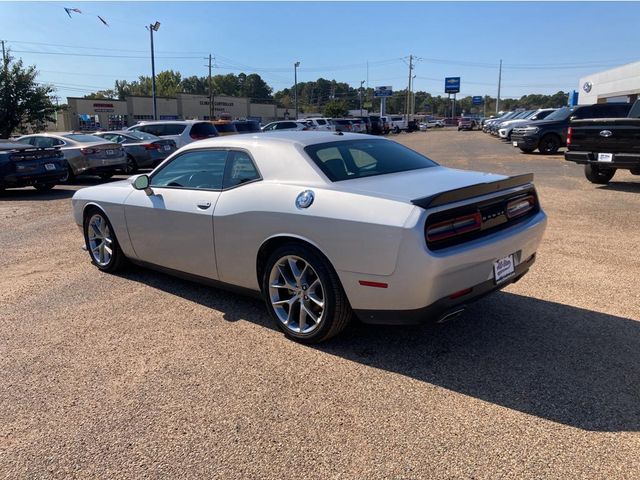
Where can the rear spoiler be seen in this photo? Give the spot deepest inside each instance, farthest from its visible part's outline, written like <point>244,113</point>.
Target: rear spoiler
<point>471,191</point>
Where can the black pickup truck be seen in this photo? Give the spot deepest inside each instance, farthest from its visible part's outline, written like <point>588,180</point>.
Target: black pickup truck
<point>550,134</point>
<point>605,145</point>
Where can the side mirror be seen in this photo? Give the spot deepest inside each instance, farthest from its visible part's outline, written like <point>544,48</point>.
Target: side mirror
<point>141,182</point>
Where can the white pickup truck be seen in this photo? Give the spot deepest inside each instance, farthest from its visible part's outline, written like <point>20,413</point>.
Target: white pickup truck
<point>394,123</point>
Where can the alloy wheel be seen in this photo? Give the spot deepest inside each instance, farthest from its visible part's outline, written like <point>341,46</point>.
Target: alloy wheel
<point>100,240</point>
<point>297,295</point>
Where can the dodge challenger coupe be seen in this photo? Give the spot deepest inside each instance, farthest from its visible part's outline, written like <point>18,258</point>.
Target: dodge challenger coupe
<point>322,225</point>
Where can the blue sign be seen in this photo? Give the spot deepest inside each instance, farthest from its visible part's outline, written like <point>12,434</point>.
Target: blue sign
<point>383,92</point>
<point>477,100</point>
<point>451,84</point>
<point>573,98</point>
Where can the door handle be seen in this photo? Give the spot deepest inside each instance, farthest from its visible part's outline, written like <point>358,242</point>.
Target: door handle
<point>204,205</point>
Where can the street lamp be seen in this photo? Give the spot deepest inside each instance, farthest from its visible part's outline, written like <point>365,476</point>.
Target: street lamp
<point>153,27</point>
<point>360,95</point>
<point>295,81</point>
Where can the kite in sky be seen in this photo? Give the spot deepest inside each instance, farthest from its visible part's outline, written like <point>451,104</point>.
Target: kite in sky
<point>77,10</point>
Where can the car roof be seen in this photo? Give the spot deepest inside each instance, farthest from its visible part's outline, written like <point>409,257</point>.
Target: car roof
<point>177,122</point>
<point>300,138</point>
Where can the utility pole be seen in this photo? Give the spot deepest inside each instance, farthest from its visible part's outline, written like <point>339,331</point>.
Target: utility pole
<point>413,95</point>
<point>409,86</point>
<point>499,85</point>
<point>153,27</point>
<point>295,82</point>
<point>4,56</point>
<point>210,92</point>
<point>360,95</point>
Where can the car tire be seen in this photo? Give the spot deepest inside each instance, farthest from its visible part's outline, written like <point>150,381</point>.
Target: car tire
<point>70,177</point>
<point>396,130</point>
<point>43,187</point>
<point>101,242</point>
<point>599,175</point>
<point>300,287</point>
<point>549,144</point>
<point>526,150</point>
<point>131,167</point>
<point>105,176</point>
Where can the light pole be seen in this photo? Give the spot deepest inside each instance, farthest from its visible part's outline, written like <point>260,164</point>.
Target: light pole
<point>295,82</point>
<point>360,95</point>
<point>153,27</point>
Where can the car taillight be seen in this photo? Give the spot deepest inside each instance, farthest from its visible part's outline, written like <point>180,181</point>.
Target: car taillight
<point>152,146</point>
<point>520,206</point>
<point>195,136</point>
<point>305,128</point>
<point>569,135</point>
<point>453,227</point>
<point>88,150</point>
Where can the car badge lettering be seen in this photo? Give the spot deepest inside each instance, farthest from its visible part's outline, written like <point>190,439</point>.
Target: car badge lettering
<point>305,199</point>
<point>606,133</point>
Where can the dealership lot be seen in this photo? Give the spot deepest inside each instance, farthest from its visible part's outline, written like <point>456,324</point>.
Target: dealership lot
<point>142,374</point>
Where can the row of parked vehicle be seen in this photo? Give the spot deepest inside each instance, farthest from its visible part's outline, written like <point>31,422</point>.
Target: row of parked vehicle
<point>603,137</point>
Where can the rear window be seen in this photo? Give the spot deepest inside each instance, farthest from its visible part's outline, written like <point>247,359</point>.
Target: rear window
<point>78,137</point>
<point>226,128</point>
<point>141,135</point>
<point>247,126</point>
<point>170,129</point>
<point>204,129</point>
<point>365,158</point>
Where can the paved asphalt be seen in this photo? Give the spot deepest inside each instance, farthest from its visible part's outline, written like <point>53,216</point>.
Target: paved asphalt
<point>141,375</point>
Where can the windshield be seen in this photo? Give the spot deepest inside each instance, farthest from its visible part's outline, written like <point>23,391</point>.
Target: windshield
<point>364,158</point>
<point>247,126</point>
<point>141,135</point>
<point>561,114</point>
<point>82,138</point>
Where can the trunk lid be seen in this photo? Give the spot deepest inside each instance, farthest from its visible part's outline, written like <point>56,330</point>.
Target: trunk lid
<point>617,135</point>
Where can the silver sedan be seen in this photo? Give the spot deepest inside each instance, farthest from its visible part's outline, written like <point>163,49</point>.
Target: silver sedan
<point>143,150</point>
<point>85,154</point>
<point>322,225</point>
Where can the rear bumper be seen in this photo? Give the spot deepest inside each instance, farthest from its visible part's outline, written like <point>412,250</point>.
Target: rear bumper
<point>33,174</point>
<point>96,166</point>
<point>630,161</point>
<point>444,306</point>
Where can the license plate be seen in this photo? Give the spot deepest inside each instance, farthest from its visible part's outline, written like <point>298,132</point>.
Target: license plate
<point>167,147</point>
<point>605,157</point>
<point>110,152</point>
<point>503,268</point>
<point>515,144</point>
<point>49,166</point>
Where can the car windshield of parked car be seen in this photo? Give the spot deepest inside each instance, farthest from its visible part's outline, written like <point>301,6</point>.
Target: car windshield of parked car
<point>364,158</point>
<point>561,114</point>
<point>82,138</point>
<point>142,135</point>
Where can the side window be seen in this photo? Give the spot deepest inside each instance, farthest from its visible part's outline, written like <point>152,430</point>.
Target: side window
<point>321,121</point>
<point>198,169</point>
<point>586,112</point>
<point>270,127</point>
<point>43,142</point>
<point>240,169</point>
<point>27,141</point>
<point>56,142</point>
<point>154,129</point>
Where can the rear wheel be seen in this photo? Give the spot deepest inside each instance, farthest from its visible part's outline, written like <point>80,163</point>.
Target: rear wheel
<point>526,150</point>
<point>549,144</point>
<point>599,175</point>
<point>69,177</point>
<point>43,187</point>
<point>304,295</point>
<point>101,242</point>
<point>131,167</point>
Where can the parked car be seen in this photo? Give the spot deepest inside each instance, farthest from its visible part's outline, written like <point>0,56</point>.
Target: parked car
<point>505,116</point>
<point>334,227</point>
<point>23,165</point>
<point>225,127</point>
<point>344,125</point>
<point>286,125</point>
<point>247,126</point>
<point>85,154</point>
<point>519,115</point>
<point>359,125</point>
<point>433,123</point>
<point>397,123</point>
<point>318,123</point>
<point>377,126</point>
<point>505,128</point>
<point>182,132</point>
<point>605,145</point>
<point>143,150</point>
<point>550,134</point>
<point>466,124</point>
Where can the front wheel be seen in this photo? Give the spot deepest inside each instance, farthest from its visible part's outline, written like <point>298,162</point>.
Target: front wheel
<point>549,144</point>
<point>599,175</point>
<point>526,150</point>
<point>101,242</point>
<point>304,295</point>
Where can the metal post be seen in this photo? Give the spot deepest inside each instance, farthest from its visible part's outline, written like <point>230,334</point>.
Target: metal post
<point>210,92</point>
<point>4,56</point>
<point>295,80</point>
<point>360,95</point>
<point>413,95</point>
<point>499,85</point>
<point>153,76</point>
<point>453,116</point>
<point>409,88</point>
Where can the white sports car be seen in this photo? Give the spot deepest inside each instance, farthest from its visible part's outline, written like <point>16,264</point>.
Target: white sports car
<point>322,225</point>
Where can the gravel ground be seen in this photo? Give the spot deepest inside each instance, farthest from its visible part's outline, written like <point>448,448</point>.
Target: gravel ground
<point>141,375</point>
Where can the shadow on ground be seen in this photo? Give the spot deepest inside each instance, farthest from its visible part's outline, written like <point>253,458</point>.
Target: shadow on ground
<point>561,363</point>
<point>630,187</point>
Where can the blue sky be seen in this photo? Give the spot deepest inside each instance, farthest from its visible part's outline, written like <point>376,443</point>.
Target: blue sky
<point>545,46</point>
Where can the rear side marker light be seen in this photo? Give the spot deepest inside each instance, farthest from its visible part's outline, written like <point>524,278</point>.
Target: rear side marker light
<point>516,208</point>
<point>454,227</point>
<point>367,283</point>
<point>569,136</point>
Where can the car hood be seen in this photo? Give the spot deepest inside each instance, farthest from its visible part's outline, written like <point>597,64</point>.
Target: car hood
<point>507,123</point>
<point>541,123</point>
<point>413,184</point>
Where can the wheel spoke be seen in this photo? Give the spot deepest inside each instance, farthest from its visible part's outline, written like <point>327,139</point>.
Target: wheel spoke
<point>302,317</point>
<point>285,277</point>
<point>309,312</point>
<point>96,230</point>
<point>295,271</point>
<point>314,298</point>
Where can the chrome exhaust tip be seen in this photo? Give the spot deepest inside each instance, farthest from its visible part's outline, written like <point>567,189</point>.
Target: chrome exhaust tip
<point>451,315</point>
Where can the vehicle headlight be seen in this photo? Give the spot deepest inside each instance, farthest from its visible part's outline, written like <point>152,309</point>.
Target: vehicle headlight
<point>531,130</point>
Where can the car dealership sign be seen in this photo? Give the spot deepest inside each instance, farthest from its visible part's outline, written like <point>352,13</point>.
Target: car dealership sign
<point>451,84</point>
<point>383,91</point>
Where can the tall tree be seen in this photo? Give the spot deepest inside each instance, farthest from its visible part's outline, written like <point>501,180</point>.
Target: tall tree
<point>24,103</point>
